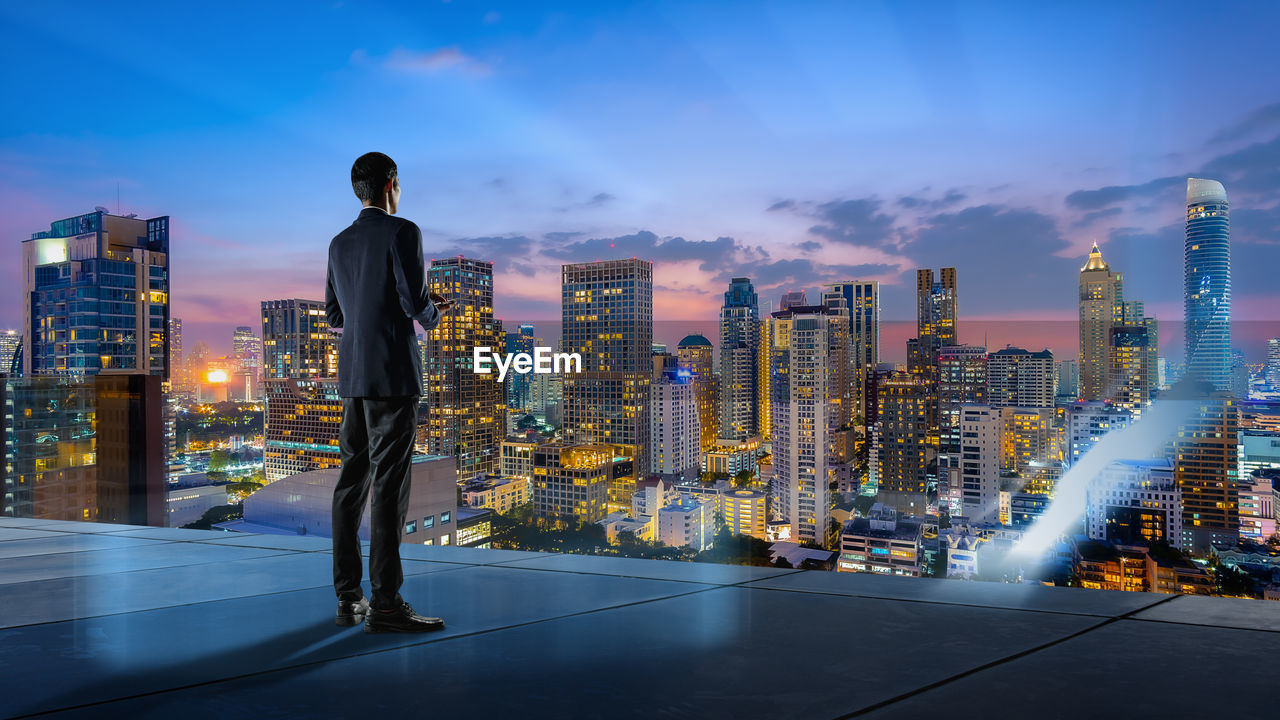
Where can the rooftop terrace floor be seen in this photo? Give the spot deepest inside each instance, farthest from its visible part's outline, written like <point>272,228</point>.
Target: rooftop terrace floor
<point>111,620</point>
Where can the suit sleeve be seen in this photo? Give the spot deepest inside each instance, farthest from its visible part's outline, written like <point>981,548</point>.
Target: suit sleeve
<point>332,310</point>
<point>410,274</point>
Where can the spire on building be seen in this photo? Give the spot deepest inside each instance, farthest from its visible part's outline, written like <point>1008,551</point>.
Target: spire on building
<point>1095,260</point>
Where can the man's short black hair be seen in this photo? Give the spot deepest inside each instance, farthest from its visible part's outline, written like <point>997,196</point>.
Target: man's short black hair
<point>370,175</point>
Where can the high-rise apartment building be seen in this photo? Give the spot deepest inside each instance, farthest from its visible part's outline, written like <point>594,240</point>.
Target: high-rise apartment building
<point>297,341</point>
<point>467,417</point>
<point>740,370</point>
<point>246,363</point>
<point>962,380</point>
<point>935,318</point>
<point>303,417</point>
<point>674,436</point>
<point>693,356</point>
<point>1017,377</point>
<point>1206,464</point>
<point>10,343</point>
<point>1089,422</point>
<point>863,300</point>
<point>764,379</point>
<point>97,296</point>
<point>520,341</point>
<point>1272,370</point>
<point>1133,373</point>
<point>1068,381</point>
<point>607,317</point>
<point>1134,502</point>
<point>902,446</point>
<point>1207,289</point>
<point>811,391</point>
<point>572,482</point>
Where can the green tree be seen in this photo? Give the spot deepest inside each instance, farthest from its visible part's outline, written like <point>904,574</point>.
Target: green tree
<point>218,460</point>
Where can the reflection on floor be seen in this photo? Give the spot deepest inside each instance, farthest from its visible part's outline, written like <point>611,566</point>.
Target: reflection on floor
<point>119,621</point>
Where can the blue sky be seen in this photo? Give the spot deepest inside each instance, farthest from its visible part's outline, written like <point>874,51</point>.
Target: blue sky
<point>794,143</point>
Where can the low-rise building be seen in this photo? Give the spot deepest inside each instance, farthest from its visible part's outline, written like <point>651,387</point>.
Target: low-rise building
<point>516,459</point>
<point>1136,568</point>
<point>687,523</point>
<point>499,494</point>
<point>744,512</point>
<point>187,505</point>
<point>474,527</point>
<point>1258,512</point>
<point>616,523</point>
<point>731,457</point>
<point>882,542</point>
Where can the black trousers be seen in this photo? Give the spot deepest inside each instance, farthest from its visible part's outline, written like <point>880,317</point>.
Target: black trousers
<point>376,444</point>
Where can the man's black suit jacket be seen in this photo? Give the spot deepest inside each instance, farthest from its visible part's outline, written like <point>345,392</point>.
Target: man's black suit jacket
<point>376,288</point>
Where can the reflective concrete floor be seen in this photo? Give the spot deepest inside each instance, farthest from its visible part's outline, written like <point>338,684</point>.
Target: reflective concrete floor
<point>118,621</point>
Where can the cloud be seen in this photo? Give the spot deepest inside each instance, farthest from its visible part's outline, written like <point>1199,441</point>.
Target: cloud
<point>782,205</point>
<point>912,202</point>
<point>432,62</point>
<point>1112,194</point>
<point>855,222</point>
<point>1264,118</point>
<point>1090,218</point>
<point>499,249</point>
<point>600,199</point>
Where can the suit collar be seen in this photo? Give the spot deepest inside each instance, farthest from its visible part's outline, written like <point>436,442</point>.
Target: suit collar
<point>371,212</point>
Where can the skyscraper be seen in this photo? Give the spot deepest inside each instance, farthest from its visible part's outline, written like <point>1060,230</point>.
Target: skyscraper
<point>1207,262</point>
<point>10,341</point>
<point>246,354</point>
<point>303,416</point>
<point>1132,370</point>
<point>297,341</point>
<point>693,355</point>
<point>739,410</point>
<point>962,380</point>
<point>97,296</point>
<point>863,300</point>
<point>794,298</point>
<point>520,341</point>
<point>178,376</point>
<point>1101,295</point>
<point>809,403</point>
<point>935,317</point>
<point>1272,371</point>
<point>902,447</point>
<point>1206,466</point>
<point>674,436</point>
<point>467,416</point>
<point>607,317</point>
<point>1020,378</point>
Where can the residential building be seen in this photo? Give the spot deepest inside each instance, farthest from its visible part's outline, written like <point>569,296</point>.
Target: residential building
<point>1135,502</point>
<point>741,364</point>
<point>303,417</point>
<point>297,341</point>
<point>883,542</point>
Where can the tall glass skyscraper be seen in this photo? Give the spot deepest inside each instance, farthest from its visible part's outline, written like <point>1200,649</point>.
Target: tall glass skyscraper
<point>1207,256</point>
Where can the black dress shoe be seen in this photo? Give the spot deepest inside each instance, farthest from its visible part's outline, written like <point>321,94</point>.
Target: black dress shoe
<point>401,619</point>
<point>352,612</point>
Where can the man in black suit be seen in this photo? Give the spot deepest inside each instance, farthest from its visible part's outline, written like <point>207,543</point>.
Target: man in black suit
<point>375,290</point>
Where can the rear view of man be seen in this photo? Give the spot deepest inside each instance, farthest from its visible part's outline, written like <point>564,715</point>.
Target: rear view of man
<point>376,289</point>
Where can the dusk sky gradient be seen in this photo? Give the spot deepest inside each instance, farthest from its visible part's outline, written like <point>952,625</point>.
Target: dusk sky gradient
<point>793,143</point>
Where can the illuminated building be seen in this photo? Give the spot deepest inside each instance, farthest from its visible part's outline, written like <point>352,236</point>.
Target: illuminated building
<point>466,416</point>
<point>1206,465</point>
<point>246,363</point>
<point>674,435</point>
<point>1136,568</point>
<point>740,358</point>
<point>884,542</point>
<point>730,458</point>
<point>10,342</point>
<point>862,297</point>
<point>499,494</point>
<point>981,430</point>
<point>520,341</point>
<point>607,317</point>
<point>1087,423</point>
<point>1101,295</point>
<point>811,400</point>
<point>744,512</point>
<point>297,341</point>
<point>473,528</point>
<point>935,319</point>
<point>687,523</point>
<point>1207,289</point>
<point>1272,370</point>
<point>90,450</point>
<point>576,482</point>
<point>902,444</point>
<point>693,355</point>
<point>1135,501</point>
<point>97,296</point>
<point>962,380</point>
<point>303,418</point>
<point>1019,378</point>
<point>1133,374</point>
<point>1257,490</point>
<point>1068,381</point>
<point>1257,449</point>
<point>517,458</point>
<point>764,380</point>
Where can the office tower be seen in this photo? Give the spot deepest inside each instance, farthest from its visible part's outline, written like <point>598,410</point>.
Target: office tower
<point>764,380</point>
<point>1016,377</point>
<point>693,355</point>
<point>1241,378</point>
<point>246,363</point>
<point>1206,465</point>
<point>740,413</point>
<point>1133,502</point>
<point>1132,377</point>
<point>1068,381</point>
<point>674,437</point>
<point>180,378</point>
<point>1032,455</point>
<point>10,342</point>
<point>795,298</point>
<point>546,395</point>
<point>981,430</point>
<point>903,450</point>
<point>1087,423</point>
<point>573,482</point>
<point>1272,370</point>
<point>83,449</point>
<point>1101,295</point>
<point>1258,449</point>
<point>1207,262</point>
<point>935,318</point>
<point>423,345</point>
<point>844,396</point>
<point>303,416</point>
<point>297,341</point>
<point>467,410</point>
<point>607,317</point>
<point>863,301</point>
<point>962,380</point>
<point>520,341</point>
<point>97,296</point>
<point>809,403</point>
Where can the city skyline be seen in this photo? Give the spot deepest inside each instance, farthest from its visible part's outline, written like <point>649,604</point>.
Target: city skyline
<point>768,166</point>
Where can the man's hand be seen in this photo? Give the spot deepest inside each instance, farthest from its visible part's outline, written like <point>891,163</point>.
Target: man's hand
<point>442,304</point>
